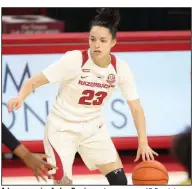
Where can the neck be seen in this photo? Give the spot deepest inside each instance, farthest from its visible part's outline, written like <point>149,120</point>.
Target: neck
<point>103,62</point>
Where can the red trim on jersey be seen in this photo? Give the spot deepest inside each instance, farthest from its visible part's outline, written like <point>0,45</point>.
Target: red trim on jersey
<point>59,172</point>
<point>113,61</point>
<point>85,57</point>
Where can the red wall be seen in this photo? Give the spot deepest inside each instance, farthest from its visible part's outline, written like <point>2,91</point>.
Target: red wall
<point>127,41</point>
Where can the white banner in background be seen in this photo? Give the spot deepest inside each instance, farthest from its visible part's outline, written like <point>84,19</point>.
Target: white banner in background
<point>163,82</point>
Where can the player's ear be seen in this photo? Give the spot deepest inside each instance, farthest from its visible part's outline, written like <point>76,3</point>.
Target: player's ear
<point>114,41</point>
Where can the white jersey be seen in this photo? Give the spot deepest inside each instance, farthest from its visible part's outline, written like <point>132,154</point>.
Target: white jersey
<point>84,86</point>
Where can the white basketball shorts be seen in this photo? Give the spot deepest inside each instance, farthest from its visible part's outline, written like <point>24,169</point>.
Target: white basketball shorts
<point>63,139</point>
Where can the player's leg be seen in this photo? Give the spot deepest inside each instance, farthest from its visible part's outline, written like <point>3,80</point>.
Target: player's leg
<point>98,152</point>
<point>60,147</point>
<point>114,172</point>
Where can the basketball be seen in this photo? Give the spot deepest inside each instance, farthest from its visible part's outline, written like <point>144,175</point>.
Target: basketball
<point>150,173</point>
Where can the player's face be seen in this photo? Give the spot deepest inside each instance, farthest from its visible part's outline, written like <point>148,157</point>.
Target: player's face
<point>100,41</point>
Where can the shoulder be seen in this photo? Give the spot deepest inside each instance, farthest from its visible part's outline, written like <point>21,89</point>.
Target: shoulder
<point>75,54</point>
<point>122,66</point>
<point>118,64</point>
<point>72,58</point>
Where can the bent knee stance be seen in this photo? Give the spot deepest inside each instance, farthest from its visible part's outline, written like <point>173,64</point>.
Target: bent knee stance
<point>117,177</point>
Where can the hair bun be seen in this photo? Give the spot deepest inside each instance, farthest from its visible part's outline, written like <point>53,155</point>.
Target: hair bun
<point>108,15</point>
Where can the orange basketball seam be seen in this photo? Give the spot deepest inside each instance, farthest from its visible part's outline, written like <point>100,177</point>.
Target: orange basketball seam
<point>153,168</point>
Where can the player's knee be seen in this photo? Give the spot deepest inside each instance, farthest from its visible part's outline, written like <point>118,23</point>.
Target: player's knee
<point>117,177</point>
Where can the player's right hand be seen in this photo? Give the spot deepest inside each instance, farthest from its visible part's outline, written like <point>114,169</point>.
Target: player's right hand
<point>14,104</point>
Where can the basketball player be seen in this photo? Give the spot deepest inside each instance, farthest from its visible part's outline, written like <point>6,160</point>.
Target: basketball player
<point>75,123</point>
<point>181,150</point>
<point>35,163</point>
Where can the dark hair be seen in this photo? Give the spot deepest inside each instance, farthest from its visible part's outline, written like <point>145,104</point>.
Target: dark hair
<point>108,18</point>
<point>181,149</point>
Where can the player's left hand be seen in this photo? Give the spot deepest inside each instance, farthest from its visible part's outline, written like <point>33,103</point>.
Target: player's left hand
<point>146,152</point>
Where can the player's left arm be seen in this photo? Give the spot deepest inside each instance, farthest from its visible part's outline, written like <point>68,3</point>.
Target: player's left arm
<point>129,91</point>
<point>139,119</point>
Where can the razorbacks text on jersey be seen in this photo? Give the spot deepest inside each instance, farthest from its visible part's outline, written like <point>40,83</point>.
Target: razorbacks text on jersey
<point>84,86</point>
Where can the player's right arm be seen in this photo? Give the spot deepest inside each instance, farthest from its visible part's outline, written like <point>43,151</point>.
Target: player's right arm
<point>29,86</point>
<point>64,69</point>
